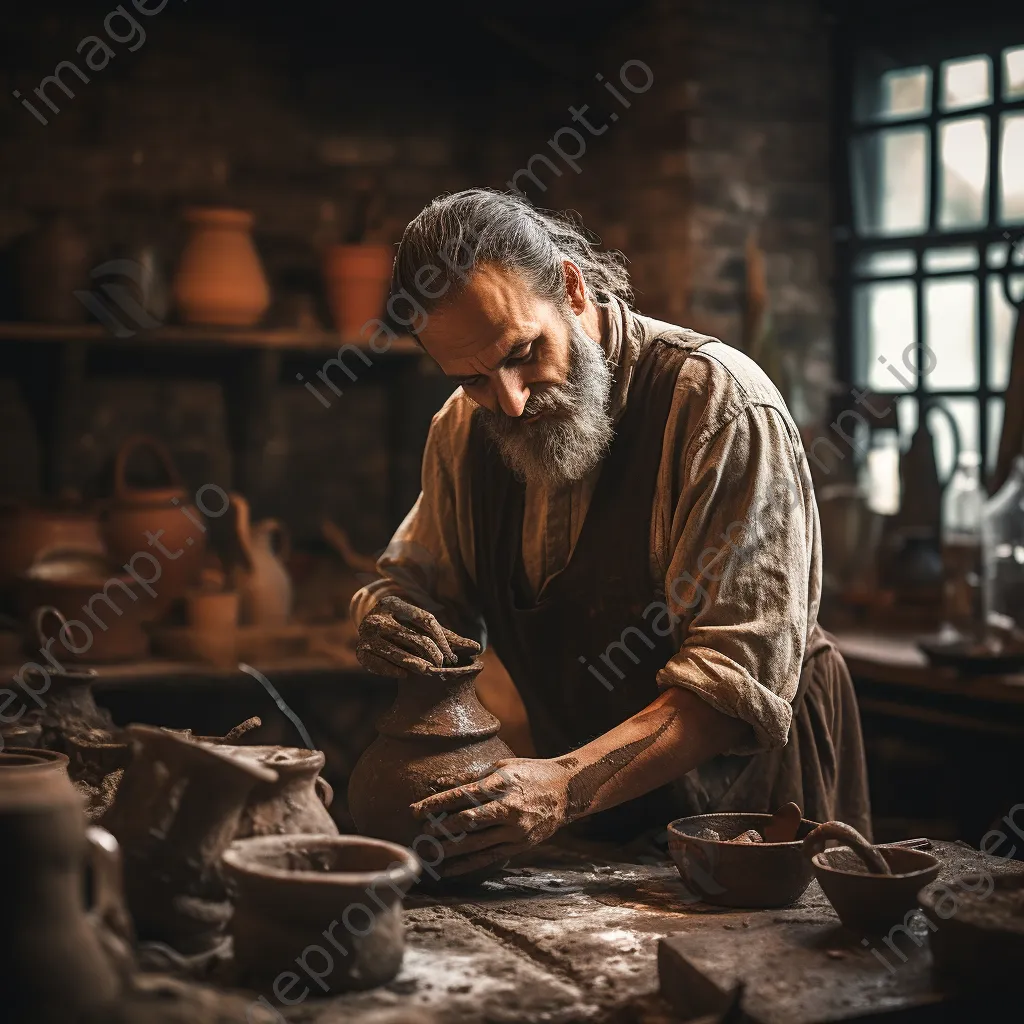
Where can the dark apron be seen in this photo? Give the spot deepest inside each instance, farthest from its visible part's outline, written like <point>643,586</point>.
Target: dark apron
<point>584,659</point>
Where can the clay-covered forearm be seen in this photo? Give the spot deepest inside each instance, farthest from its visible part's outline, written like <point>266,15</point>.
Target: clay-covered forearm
<point>670,737</point>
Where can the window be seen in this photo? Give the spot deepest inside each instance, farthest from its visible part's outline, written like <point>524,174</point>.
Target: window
<point>936,164</point>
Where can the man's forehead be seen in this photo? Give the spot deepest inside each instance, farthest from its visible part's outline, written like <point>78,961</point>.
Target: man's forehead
<point>494,311</point>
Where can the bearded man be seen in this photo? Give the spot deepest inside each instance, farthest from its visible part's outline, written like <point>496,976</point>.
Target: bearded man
<point>622,508</point>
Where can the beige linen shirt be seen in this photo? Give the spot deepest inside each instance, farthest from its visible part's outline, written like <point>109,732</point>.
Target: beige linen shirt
<point>734,541</point>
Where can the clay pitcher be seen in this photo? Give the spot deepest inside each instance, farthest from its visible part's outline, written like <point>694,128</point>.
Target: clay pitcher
<point>53,967</point>
<point>136,520</point>
<point>177,808</point>
<point>264,586</point>
<point>220,279</point>
<point>436,730</point>
<point>296,802</point>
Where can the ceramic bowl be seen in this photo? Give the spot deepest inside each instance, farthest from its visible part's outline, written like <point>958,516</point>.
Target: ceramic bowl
<point>739,874</point>
<point>868,902</point>
<point>334,900</point>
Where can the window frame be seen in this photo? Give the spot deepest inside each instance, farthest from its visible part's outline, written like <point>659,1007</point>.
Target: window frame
<point>857,50</point>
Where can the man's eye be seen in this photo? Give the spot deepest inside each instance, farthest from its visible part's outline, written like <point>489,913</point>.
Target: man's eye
<point>525,358</point>
<point>471,383</point>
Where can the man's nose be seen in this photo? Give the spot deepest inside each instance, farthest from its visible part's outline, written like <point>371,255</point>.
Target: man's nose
<point>511,393</point>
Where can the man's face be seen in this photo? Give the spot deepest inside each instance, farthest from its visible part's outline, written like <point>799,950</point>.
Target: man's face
<point>541,382</point>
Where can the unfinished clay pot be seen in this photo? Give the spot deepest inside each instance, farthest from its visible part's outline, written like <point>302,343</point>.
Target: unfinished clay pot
<point>436,731</point>
<point>52,964</point>
<point>30,759</point>
<point>336,901</point>
<point>177,808</point>
<point>295,803</point>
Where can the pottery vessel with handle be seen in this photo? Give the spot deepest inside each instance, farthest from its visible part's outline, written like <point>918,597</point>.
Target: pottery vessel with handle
<point>263,583</point>
<point>137,521</point>
<point>220,279</point>
<point>54,954</point>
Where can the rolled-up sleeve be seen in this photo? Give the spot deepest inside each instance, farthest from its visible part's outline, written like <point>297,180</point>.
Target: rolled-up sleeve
<point>738,575</point>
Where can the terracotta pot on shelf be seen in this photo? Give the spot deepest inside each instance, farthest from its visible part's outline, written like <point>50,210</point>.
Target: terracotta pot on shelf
<point>357,279</point>
<point>162,513</point>
<point>264,586</point>
<point>26,529</point>
<point>220,279</point>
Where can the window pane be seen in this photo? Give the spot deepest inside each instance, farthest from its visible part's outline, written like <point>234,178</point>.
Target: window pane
<point>966,83</point>
<point>1002,318</point>
<point>995,428</point>
<point>963,184</point>
<point>966,412</point>
<point>884,323</point>
<point>891,263</point>
<point>890,175</point>
<point>959,258</point>
<point>951,318</point>
<point>1011,170</point>
<point>997,253</point>
<point>1013,73</point>
<point>895,95</point>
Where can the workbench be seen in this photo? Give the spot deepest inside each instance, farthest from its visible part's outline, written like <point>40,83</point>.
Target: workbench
<point>560,939</point>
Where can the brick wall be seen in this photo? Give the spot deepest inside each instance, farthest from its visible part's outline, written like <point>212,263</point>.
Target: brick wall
<point>285,116</point>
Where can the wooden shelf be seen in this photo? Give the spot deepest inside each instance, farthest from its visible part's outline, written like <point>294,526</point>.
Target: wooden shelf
<point>276,338</point>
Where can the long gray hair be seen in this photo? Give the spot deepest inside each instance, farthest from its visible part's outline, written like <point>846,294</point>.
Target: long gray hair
<point>455,233</point>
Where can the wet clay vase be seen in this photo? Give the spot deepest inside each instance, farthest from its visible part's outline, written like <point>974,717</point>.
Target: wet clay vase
<point>338,898</point>
<point>264,586</point>
<point>296,802</point>
<point>435,732</point>
<point>137,519</point>
<point>357,279</point>
<point>177,808</point>
<point>220,279</point>
<point>53,967</point>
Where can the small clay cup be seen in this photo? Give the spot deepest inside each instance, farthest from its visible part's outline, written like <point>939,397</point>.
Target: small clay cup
<point>739,874</point>
<point>334,900</point>
<point>869,902</point>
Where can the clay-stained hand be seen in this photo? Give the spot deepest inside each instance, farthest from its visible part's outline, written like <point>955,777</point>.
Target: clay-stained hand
<point>521,803</point>
<point>397,638</point>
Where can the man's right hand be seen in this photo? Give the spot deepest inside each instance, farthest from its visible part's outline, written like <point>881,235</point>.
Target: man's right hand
<point>397,639</point>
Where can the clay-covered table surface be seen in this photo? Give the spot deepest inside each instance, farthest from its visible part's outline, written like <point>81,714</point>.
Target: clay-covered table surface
<point>564,939</point>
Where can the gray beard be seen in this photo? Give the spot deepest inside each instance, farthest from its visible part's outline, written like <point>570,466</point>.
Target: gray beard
<point>566,446</point>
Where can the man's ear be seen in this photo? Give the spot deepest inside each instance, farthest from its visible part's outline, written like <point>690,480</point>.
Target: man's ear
<point>575,287</point>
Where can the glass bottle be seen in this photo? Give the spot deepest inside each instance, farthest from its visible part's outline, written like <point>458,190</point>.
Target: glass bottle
<point>962,511</point>
<point>1003,547</point>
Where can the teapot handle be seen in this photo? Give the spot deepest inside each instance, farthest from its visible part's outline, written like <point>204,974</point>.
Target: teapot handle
<point>108,902</point>
<point>944,409</point>
<point>284,538</point>
<point>132,445</point>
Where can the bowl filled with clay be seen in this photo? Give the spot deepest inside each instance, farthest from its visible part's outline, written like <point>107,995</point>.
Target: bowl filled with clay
<point>871,888</point>
<point>743,860</point>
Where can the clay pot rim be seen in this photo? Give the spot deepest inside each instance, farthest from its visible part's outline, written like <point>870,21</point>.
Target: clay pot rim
<point>295,757</point>
<point>928,861</point>
<point>242,858</point>
<point>450,673</point>
<point>163,738</point>
<point>225,216</point>
<point>698,820</point>
<point>46,760</point>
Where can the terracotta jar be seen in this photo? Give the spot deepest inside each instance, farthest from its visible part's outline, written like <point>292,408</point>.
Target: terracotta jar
<point>357,279</point>
<point>436,730</point>
<point>135,515</point>
<point>296,802</point>
<point>220,279</point>
<point>265,588</point>
<point>53,967</point>
<point>26,530</point>
<point>177,808</point>
<point>292,891</point>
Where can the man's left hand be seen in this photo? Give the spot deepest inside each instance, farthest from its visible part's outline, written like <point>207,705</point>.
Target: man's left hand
<point>521,803</point>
